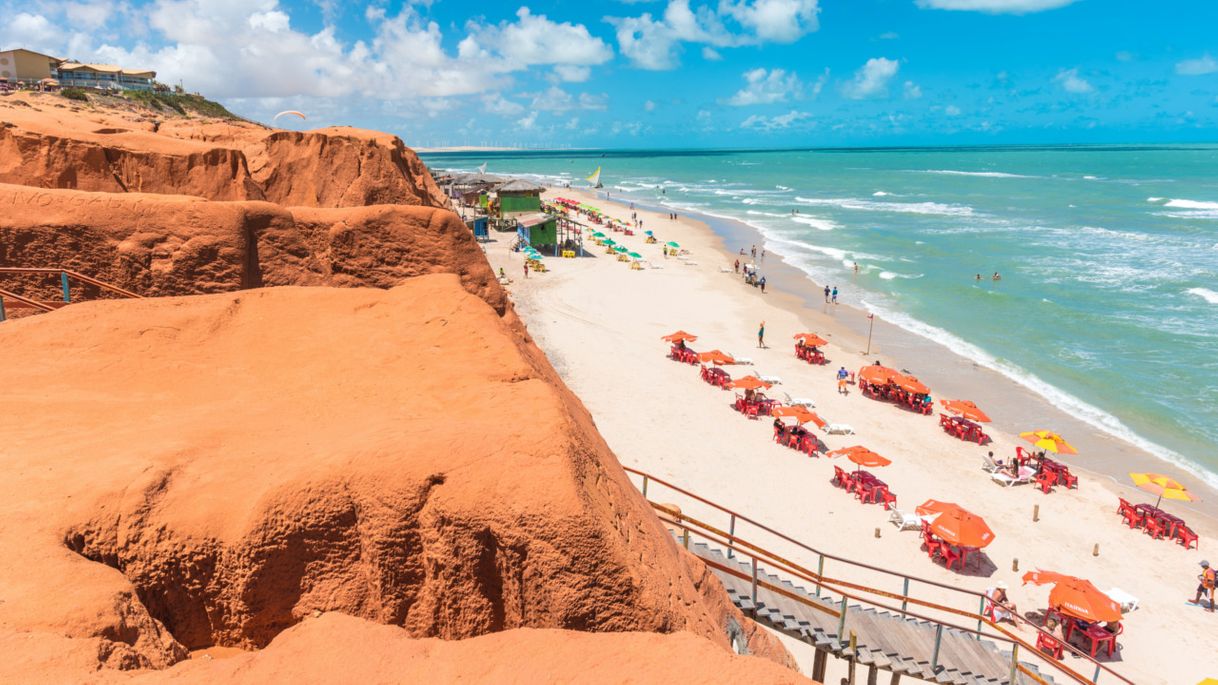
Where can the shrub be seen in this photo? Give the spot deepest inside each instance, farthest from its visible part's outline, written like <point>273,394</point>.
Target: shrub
<point>74,94</point>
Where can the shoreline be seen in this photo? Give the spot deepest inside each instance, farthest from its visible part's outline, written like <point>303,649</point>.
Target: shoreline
<point>1014,407</point>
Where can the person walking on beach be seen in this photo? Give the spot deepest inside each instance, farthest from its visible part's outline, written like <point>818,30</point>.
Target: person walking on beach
<point>1206,587</point>
<point>754,252</point>
<point>835,294</point>
<point>526,269</point>
<point>842,375</point>
<point>736,266</point>
<point>761,335</point>
<point>826,294</point>
<point>762,284</point>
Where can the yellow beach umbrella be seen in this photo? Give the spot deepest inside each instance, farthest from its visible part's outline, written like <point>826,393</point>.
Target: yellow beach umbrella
<point>1163,486</point>
<point>1048,440</point>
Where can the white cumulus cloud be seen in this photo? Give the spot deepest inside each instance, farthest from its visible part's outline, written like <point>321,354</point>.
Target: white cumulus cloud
<point>1197,67</point>
<point>778,122</point>
<point>655,41</point>
<point>995,6</point>
<point>912,90</point>
<point>1071,82</point>
<point>766,87</point>
<point>872,78</point>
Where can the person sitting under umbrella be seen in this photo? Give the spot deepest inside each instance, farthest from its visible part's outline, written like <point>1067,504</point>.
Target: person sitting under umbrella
<point>1000,605</point>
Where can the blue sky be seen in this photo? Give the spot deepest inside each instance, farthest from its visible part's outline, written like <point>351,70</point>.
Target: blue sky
<point>660,73</point>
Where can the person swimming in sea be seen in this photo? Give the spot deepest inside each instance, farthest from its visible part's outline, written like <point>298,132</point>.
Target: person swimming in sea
<point>997,277</point>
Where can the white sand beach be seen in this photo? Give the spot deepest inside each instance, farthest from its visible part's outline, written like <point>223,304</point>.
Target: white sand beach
<point>600,324</point>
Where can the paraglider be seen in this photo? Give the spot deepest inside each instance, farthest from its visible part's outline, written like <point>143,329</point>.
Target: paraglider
<point>286,112</point>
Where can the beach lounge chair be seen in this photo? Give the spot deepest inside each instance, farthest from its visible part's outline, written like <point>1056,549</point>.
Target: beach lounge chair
<point>799,401</point>
<point>989,465</point>
<point>839,429</point>
<point>1127,601</point>
<point>741,361</point>
<point>1003,479</point>
<point>775,380</point>
<point>904,521</point>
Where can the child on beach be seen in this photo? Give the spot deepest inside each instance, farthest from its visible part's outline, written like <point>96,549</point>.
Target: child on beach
<point>762,284</point>
<point>526,269</point>
<point>842,375</point>
<point>761,335</point>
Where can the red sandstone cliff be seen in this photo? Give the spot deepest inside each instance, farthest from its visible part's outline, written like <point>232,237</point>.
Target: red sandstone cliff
<point>48,144</point>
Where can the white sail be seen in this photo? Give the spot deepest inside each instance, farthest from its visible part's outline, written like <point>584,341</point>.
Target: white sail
<point>482,169</point>
<point>595,178</point>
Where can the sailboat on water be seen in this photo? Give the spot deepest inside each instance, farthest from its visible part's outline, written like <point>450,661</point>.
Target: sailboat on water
<point>595,178</point>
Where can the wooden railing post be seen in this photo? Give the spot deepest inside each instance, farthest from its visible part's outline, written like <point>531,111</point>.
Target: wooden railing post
<point>754,591</point>
<point>63,280</point>
<point>980,616</point>
<point>841,621</point>
<point>731,533</point>
<point>1096,678</point>
<point>905,597</point>
<point>934,657</point>
<point>2,316</point>
<point>1014,661</point>
<point>820,571</point>
<point>644,486</point>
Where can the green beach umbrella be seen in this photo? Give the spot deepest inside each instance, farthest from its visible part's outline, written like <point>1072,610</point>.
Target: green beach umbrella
<point>649,233</point>
<point>598,234</point>
<point>672,244</point>
<point>619,248</point>
<point>610,242</point>
<point>635,255</point>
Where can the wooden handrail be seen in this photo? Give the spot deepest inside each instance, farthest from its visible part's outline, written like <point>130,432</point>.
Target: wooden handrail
<point>732,542</point>
<point>71,274</point>
<point>26,301</point>
<point>799,572</point>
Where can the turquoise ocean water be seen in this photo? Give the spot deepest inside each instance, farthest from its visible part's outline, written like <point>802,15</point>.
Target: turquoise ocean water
<point>1108,303</point>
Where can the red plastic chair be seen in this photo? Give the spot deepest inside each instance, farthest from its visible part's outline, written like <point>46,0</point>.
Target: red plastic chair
<point>840,479</point>
<point>1155,528</point>
<point>1050,645</point>
<point>889,499</point>
<point>1046,480</point>
<point>1186,537</point>
<point>750,410</point>
<point>1133,518</point>
<point>1100,637</point>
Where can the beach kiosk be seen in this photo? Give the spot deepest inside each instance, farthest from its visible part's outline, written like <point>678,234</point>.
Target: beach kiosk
<point>519,197</point>
<point>539,230</point>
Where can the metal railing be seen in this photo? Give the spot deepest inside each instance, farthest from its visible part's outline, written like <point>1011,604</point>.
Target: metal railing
<point>735,545</point>
<point>66,276</point>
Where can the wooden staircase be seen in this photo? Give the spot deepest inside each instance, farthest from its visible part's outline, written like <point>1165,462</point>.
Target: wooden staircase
<point>901,645</point>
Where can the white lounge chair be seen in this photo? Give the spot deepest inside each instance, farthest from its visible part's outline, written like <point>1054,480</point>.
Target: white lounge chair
<point>904,521</point>
<point>839,429</point>
<point>1006,481</point>
<point>989,465</point>
<point>775,380</point>
<point>741,361</point>
<point>1127,601</point>
<point>800,402</point>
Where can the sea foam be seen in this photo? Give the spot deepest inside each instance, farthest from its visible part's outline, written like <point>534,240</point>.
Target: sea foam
<point>1205,294</point>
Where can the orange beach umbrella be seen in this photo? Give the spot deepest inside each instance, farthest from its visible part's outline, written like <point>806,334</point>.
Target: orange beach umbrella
<point>748,383</point>
<point>966,409</point>
<point>910,384</point>
<point>1075,596</point>
<point>861,456</point>
<point>679,336</point>
<point>716,356</point>
<point>811,339</point>
<point>877,375</point>
<point>798,413</point>
<point>956,525</point>
<point>1048,440</point>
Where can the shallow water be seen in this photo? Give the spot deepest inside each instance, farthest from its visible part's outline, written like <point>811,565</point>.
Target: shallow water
<point>1108,302</point>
